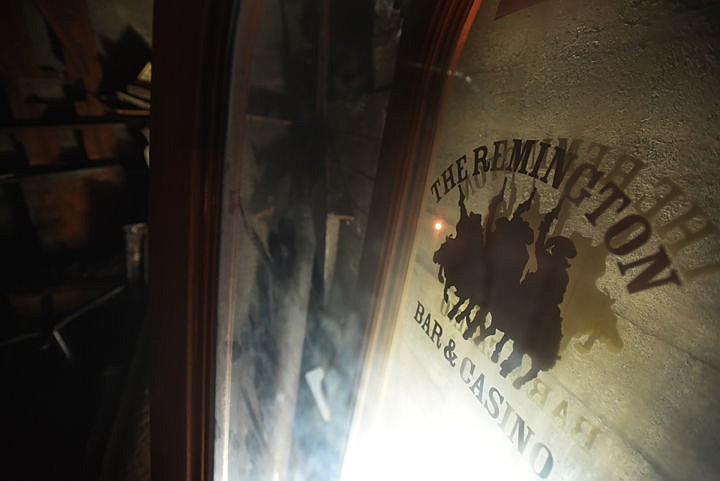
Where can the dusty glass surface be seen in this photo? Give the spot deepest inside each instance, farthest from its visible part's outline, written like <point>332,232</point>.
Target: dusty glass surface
<point>297,187</point>
<point>561,316</point>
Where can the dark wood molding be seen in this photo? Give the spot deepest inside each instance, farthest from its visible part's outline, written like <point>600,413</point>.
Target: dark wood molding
<point>506,7</point>
<point>192,52</point>
<point>433,37</point>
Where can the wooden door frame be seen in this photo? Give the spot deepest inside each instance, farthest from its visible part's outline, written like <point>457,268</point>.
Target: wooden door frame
<point>429,52</point>
<point>191,45</point>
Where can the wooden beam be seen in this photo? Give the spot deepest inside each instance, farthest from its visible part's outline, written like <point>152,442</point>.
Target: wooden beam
<point>53,124</point>
<point>18,70</point>
<point>70,20</point>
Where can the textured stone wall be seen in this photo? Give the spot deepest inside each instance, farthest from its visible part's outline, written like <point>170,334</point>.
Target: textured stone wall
<point>606,367</point>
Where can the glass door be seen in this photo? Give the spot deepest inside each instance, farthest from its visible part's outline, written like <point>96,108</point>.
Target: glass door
<point>559,316</point>
<point>466,240</point>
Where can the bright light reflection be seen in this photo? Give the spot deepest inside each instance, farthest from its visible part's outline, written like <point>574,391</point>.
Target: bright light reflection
<point>438,225</point>
<point>425,445</point>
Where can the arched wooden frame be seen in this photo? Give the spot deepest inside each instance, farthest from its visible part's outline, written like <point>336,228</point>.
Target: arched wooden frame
<point>191,40</point>
<point>429,51</point>
<point>192,67</point>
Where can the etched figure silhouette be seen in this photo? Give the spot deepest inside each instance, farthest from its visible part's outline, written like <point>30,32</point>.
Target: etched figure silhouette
<point>506,248</point>
<point>587,309</point>
<point>468,278</point>
<point>486,265</point>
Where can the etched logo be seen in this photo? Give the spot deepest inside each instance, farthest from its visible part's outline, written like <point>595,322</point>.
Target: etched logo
<point>511,272</point>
